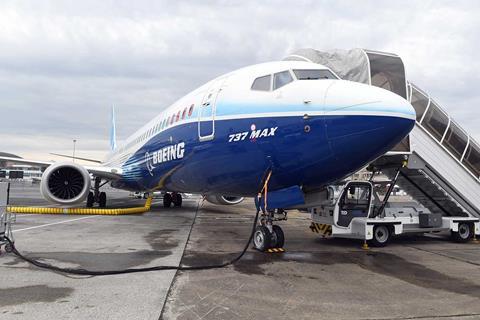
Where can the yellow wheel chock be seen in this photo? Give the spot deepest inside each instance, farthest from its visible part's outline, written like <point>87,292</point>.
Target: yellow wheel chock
<point>475,239</point>
<point>365,245</point>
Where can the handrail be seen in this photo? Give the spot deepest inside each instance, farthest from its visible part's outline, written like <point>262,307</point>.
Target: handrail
<point>470,139</point>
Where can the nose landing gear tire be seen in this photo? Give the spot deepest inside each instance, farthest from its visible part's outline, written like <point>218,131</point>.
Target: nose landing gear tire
<point>278,238</point>
<point>262,238</point>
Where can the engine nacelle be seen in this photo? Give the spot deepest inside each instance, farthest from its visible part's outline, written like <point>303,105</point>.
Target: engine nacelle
<point>65,183</point>
<point>225,200</point>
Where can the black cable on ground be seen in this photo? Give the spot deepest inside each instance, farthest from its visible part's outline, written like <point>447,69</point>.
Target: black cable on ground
<point>85,272</point>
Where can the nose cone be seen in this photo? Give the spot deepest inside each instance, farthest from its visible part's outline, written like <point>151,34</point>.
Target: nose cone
<point>364,122</point>
<point>352,98</point>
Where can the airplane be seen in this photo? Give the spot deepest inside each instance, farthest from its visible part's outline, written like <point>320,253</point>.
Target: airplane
<point>297,120</point>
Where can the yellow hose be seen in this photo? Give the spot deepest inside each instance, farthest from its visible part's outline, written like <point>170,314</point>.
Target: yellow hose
<point>79,211</point>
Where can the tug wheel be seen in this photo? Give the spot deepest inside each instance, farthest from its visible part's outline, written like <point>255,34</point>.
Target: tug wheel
<point>278,237</point>
<point>262,238</point>
<point>464,233</point>
<point>381,236</point>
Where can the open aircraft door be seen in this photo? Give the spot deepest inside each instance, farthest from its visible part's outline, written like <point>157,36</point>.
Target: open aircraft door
<point>206,115</point>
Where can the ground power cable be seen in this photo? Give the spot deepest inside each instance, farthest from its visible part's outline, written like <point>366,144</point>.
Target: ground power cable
<point>85,272</point>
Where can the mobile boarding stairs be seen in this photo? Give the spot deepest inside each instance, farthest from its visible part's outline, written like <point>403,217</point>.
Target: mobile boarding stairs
<point>442,171</point>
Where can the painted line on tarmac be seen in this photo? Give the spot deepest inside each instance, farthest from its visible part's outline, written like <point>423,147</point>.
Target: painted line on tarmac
<point>54,223</point>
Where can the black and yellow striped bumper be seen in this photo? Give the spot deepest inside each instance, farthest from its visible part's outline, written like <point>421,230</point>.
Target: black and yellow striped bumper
<point>324,229</point>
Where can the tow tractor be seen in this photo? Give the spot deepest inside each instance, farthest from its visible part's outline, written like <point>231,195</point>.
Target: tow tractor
<point>354,209</point>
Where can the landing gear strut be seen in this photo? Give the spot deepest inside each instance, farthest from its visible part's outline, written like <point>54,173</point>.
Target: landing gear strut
<point>268,236</point>
<point>96,196</point>
<point>169,198</point>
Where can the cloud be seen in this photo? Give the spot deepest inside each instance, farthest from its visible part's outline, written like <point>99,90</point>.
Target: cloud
<point>64,63</point>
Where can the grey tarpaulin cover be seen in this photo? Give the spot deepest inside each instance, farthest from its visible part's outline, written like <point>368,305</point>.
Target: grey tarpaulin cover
<point>380,69</point>
<point>347,64</point>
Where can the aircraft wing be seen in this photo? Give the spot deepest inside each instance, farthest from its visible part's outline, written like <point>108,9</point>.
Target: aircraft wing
<point>108,173</point>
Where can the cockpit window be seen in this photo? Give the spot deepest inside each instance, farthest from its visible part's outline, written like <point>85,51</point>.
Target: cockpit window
<point>281,78</point>
<point>262,83</point>
<point>314,74</point>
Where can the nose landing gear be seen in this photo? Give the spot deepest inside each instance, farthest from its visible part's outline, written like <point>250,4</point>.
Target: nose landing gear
<point>269,241</point>
<point>269,237</point>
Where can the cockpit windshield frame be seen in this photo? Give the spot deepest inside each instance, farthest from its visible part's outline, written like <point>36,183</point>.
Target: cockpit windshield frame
<point>313,74</point>
<point>274,81</point>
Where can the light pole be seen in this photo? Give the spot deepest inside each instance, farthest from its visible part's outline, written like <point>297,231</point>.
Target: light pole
<point>74,142</point>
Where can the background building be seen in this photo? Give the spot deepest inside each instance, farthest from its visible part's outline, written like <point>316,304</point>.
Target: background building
<point>9,170</point>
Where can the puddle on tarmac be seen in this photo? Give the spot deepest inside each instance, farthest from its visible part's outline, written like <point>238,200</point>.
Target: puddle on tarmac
<point>39,293</point>
<point>387,264</point>
<point>160,241</point>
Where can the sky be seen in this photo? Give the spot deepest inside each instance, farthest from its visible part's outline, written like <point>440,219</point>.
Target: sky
<point>63,64</point>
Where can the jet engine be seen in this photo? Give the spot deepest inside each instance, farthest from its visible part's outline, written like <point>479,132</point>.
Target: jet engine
<point>65,183</point>
<point>225,200</point>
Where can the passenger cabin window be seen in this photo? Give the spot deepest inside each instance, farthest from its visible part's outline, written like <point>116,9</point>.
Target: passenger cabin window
<point>281,78</point>
<point>314,74</point>
<point>262,83</point>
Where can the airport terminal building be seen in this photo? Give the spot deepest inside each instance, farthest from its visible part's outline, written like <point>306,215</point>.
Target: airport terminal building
<point>13,171</point>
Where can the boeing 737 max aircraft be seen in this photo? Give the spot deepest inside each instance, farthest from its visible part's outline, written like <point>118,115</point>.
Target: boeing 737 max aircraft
<point>294,119</point>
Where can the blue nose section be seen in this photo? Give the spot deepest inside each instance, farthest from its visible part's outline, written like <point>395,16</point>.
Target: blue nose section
<point>361,131</point>
<point>357,140</point>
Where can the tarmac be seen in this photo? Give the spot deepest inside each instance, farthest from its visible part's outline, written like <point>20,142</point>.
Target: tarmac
<point>423,277</point>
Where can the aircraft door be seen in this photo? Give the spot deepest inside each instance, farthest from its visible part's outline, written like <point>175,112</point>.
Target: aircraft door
<point>206,115</point>
<point>354,202</point>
